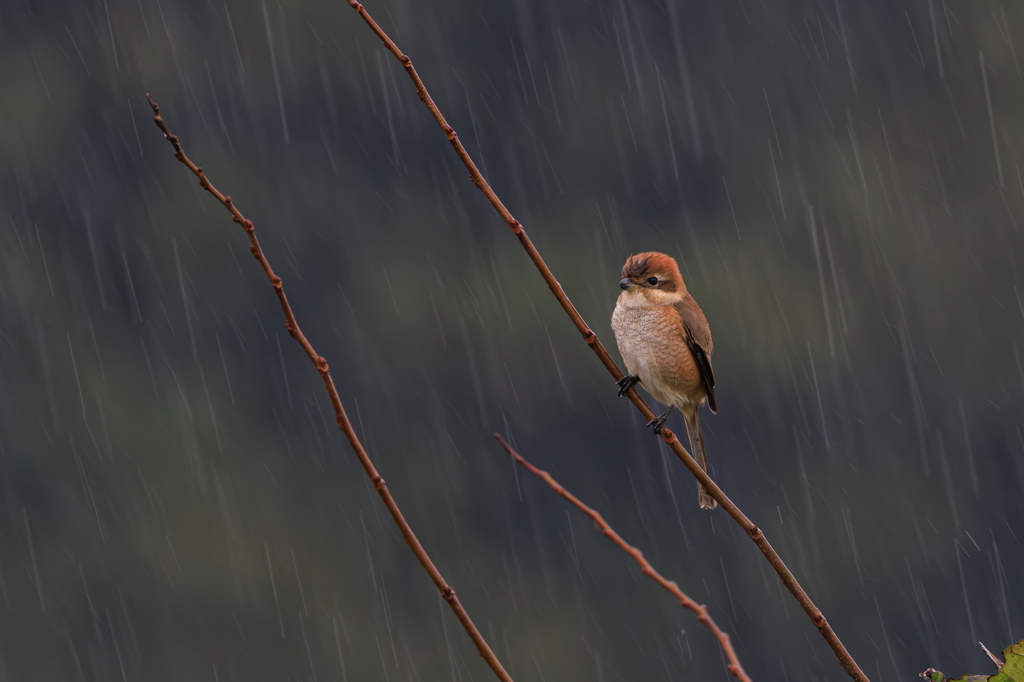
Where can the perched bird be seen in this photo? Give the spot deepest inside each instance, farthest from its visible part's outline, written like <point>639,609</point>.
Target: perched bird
<point>665,342</point>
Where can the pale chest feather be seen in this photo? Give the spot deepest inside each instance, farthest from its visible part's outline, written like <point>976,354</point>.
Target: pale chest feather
<point>652,346</point>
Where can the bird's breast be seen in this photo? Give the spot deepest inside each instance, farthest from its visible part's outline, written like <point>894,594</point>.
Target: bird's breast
<point>651,343</point>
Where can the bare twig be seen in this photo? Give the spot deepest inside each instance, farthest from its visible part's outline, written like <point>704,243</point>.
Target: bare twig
<point>991,656</point>
<point>735,669</point>
<point>755,533</point>
<point>339,411</point>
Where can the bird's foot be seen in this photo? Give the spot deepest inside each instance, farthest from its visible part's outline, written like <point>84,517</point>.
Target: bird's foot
<point>658,423</point>
<point>627,382</point>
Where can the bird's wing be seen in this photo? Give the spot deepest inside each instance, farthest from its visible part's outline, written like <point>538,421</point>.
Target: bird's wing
<point>697,335</point>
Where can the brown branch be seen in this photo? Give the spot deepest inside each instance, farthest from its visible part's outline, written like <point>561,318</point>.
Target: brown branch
<point>735,669</point>
<point>755,533</point>
<point>339,411</point>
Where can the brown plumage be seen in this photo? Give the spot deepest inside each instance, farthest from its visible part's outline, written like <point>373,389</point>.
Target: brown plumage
<point>665,342</point>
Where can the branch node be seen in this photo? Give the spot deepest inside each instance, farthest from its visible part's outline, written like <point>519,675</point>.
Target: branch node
<point>378,482</point>
<point>819,619</point>
<point>450,133</point>
<point>276,282</point>
<point>321,365</point>
<point>755,533</point>
<point>406,62</point>
<point>448,593</point>
<point>517,227</point>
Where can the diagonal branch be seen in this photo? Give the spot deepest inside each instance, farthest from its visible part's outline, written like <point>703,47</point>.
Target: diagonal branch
<point>755,533</point>
<point>339,411</point>
<point>735,669</point>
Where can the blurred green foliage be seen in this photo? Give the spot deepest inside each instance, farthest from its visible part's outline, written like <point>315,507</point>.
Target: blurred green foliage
<point>176,502</point>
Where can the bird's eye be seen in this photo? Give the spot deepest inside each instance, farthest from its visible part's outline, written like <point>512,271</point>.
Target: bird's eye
<point>652,281</point>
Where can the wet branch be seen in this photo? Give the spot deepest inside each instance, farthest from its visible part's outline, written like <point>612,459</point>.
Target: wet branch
<point>755,533</point>
<point>339,411</point>
<point>735,669</point>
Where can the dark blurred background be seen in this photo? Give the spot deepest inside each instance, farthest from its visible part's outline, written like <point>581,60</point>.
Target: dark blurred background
<point>840,182</point>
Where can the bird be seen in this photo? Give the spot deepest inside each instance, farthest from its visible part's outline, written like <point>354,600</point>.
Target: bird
<point>665,342</point>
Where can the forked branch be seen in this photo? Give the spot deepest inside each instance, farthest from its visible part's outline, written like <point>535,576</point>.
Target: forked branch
<point>339,411</point>
<point>735,669</point>
<point>755,534</point>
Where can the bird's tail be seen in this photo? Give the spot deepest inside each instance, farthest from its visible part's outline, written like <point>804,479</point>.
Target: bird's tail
<point>697,447</point>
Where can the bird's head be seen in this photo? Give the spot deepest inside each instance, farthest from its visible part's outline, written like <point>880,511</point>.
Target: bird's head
<point>652,277</point>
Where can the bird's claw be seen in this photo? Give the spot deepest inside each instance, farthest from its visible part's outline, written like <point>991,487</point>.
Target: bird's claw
<point>627,382</point>
<point>658,423</point>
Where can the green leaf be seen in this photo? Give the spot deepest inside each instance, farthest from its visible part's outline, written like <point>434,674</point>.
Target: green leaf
<point>1013,668</point>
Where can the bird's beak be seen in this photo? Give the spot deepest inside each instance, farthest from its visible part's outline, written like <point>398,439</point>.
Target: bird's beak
<point>626,284</point>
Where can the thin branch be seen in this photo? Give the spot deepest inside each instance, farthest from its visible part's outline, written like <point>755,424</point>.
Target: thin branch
<point>755,533</point>
<point>735,669</point>
<point>339,411</point>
